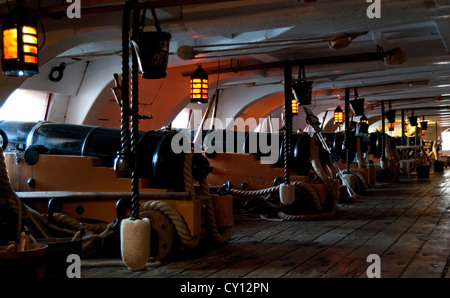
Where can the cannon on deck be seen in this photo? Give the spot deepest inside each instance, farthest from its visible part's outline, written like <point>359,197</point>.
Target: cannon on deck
<point>66,171</point>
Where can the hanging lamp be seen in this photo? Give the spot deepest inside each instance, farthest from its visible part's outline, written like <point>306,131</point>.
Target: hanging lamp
<point>363,126</point>
<point>199,86</point>
<point>391,126</point>
<point>302,88</point>
<point>357,104</point>
<point>338,116</point>
<point>294,106</point>
<point>20,43</point>
<point>423,124</point>
<point>363,119</point>
<point>390,115</point>
<point>412,119</point>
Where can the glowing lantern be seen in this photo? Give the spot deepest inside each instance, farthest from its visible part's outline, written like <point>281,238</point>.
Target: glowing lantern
<point>199,86</point>
<point>20,43</point>
<point>363,119</point>
<point>338,116</point>
<point>294,105</point>
<point>391,126</point>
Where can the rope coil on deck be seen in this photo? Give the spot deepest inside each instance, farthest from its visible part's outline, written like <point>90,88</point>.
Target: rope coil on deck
<point>276,189</point>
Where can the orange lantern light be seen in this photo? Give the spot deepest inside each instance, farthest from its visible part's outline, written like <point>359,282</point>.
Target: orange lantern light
<point>338,116</point>
<point>363,119</point>
<point>20,43</point>
<point>391,126</point>
<point>294,105</point>
<point>199,86</point>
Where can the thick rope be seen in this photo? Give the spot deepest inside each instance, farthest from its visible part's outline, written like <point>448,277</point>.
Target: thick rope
<point>134,120</point>
<point>361,179</point>
<point>175,217</point>
<point>187,174</point>
<point>254,193</point>
<point>316,216</point>
<point>276,189</point>
<point>125,107</point>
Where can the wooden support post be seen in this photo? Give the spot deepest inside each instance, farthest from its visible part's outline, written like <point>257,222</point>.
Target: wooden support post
<point>347,124</point>
<point>403,132</point>
<point>288,118</point>
<point>383,136</point>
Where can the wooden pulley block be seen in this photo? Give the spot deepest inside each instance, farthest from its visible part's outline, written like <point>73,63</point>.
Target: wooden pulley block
<point>163,234</point>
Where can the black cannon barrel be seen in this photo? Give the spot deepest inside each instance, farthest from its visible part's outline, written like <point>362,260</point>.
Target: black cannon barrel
<point>253,142</point>
<point>155,157</point>
<point>376,143</point>
<point>337,142</point>
<point>300,154</point>
<point>230,141</point>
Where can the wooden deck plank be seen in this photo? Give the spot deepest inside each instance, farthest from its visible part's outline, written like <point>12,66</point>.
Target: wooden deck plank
<point>405,223</point>
<point>394,224</point>
<point>309,247</point>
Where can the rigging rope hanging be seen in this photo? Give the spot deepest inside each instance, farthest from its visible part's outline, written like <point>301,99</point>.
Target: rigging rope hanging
<point>134,118</point>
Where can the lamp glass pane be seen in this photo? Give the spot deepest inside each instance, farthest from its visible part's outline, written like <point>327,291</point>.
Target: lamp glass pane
<point>294,106</point>
<point>29,39</point>
<point>29,30</point>
<point>30,49</point>
<point>10,44</point>
<point>30,59</point>
<point>338,117</point>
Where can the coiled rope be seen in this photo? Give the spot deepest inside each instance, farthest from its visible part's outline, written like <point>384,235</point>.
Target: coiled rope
<point>276,189</point>
<point>363,183</point>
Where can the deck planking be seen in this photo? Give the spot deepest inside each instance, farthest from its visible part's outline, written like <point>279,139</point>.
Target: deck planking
<point>406,223</point>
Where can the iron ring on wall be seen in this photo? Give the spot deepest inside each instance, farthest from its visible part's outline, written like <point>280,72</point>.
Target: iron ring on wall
<point>58,69</point>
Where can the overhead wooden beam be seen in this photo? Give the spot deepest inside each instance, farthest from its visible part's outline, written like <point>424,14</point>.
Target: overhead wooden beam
<point>352,58</point>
